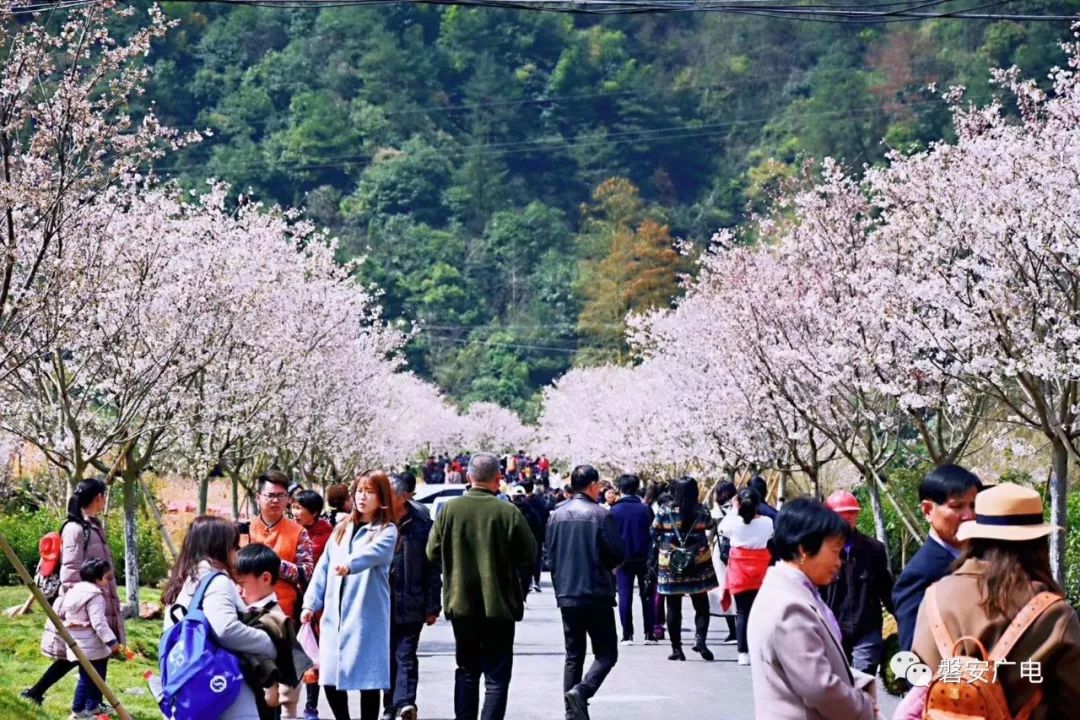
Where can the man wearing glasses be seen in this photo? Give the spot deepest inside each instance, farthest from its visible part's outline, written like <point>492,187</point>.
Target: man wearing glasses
<point>286,537</point>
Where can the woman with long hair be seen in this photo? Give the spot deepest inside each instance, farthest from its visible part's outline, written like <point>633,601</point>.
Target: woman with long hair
<point>209,551</point>
<point>1003,579</point>
<point>82,539</point>
<point>351,586</point>
<point>340,505</point>
<point>685,563</point>
<point>749,533</point>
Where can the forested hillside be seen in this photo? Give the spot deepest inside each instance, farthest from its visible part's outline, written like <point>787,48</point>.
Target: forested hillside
<point>519,181</point>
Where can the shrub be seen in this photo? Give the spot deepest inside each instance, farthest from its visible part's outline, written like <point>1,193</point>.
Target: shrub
<point>24,527</point>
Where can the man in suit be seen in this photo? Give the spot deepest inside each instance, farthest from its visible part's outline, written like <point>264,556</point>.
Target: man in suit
<point>946,498</point>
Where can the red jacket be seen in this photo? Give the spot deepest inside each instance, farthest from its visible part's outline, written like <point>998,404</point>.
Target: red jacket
<point>746,569</point>
<point>319,534</point>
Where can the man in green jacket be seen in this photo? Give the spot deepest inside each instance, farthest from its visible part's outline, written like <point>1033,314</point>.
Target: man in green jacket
<point>481,543</point>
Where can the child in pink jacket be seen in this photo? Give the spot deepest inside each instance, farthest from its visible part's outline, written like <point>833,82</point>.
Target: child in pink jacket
<point>82,608</point>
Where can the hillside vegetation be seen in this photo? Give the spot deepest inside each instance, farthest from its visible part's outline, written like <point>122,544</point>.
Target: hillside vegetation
<point>519,181</point>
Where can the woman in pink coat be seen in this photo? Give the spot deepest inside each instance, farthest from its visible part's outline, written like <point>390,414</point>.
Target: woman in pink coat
<point>83,539</point>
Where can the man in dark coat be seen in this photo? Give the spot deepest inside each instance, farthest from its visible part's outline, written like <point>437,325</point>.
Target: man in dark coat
<point>415,598</point>
<point>860,591</point>
<point>758,485</point>
<point>947,498</point>
<point>584,547</point>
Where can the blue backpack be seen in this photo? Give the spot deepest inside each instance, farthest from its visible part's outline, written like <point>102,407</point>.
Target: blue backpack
<point>200,680</point>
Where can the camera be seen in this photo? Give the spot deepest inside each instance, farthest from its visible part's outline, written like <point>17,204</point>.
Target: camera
<point>243,528</point>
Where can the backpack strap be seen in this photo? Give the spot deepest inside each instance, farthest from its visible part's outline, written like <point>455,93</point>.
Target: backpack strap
<point>675,528</point>
<point>1023,620</point>
<point>942,639</point>
<point>197,598</point>
<point>85,528</point>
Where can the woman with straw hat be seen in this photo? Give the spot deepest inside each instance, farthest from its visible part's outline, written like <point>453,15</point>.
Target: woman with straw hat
<point>1005,566</point>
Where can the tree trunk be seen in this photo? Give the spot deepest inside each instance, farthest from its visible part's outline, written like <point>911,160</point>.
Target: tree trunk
<point>879,515</point>
<point>204,493</point>
<point>1059,487</point>
<point>782,485</point>
<point>131,540</point>
<point>151,506</point>
<point>235,497</point>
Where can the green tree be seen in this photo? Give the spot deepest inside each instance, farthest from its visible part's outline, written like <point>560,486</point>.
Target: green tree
<point>409,181</point>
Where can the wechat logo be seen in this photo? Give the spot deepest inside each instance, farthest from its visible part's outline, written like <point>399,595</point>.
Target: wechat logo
<point>907,665</point>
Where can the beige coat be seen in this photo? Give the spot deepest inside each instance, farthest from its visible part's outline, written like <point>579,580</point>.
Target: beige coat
<point>798,669</point>
<point>1053,641</point>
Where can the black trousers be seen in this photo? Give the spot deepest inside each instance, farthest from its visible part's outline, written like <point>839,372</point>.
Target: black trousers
<point>598,623</point>
<point>743,602</point>
<point>484,646</point>
<point>312,697</point>
<point>700,601</point>
<point>404,666</point>
<point>52,675</point>
<point>339,703</point>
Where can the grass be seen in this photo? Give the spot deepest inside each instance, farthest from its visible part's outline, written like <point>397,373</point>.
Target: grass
<point>21,664</point>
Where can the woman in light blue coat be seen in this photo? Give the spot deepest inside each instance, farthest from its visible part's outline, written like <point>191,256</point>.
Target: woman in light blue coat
<point>351,586</point>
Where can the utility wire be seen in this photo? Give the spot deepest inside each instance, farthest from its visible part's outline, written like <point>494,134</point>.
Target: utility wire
<point>544,145</point>
<point>815,12</point>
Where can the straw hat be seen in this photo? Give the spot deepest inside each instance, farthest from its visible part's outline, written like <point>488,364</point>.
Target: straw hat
<point>1007,512</point>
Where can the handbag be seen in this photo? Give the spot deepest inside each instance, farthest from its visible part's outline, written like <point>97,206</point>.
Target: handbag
<point>680,557</point>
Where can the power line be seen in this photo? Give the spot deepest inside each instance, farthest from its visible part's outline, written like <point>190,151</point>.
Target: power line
<point>825,12</point>
<point>489,343</point>
<point>551,99</point>
<point>548,145</point>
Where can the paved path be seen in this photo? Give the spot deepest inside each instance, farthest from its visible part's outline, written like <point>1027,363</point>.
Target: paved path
<point>644,685</point>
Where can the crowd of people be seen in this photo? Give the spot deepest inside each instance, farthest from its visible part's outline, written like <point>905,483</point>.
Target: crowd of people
<point>360,571</point>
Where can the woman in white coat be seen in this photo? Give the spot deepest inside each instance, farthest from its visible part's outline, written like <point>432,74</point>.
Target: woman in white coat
<point>210,547</point>
<point>351,586</point>
<point>720,600</point>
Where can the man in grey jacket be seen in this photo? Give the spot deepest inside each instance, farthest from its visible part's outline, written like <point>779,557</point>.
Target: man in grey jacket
<point>584,547</point>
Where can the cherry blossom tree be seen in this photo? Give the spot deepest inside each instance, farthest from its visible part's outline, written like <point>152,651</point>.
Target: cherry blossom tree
<point>413,418</point>
<point>986,229</point>
<point>493,428</point>
<point>66,139</point>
